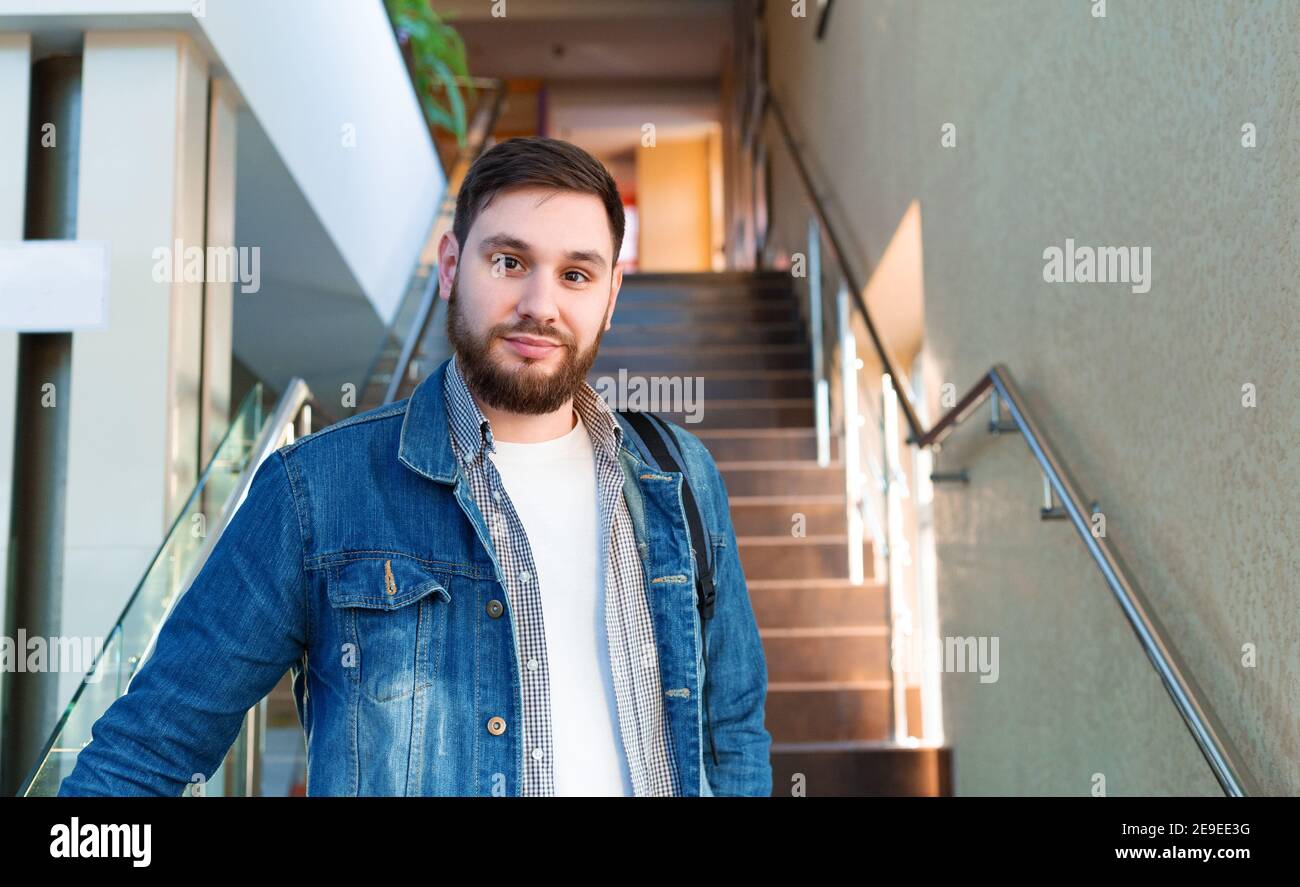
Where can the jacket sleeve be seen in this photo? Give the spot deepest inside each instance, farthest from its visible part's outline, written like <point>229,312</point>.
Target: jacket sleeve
<point>229,640</point>
<point>736,668</point>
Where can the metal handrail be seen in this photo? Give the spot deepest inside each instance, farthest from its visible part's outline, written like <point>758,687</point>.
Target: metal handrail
<point>422,317</point>
<point>851,278</point>
<point>1210,735</point>
<point>1190,700</point>
<point>296,396</point>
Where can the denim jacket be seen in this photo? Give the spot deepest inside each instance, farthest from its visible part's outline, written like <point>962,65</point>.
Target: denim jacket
<point>364,537</point>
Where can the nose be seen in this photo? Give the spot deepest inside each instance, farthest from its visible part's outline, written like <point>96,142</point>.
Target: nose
<point>537,302</point>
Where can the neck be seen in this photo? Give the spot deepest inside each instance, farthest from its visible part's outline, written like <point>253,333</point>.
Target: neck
<point>529,428</point>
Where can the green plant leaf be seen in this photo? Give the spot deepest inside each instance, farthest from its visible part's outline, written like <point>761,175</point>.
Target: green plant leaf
<point>447,77</point>
<point>438,58</point>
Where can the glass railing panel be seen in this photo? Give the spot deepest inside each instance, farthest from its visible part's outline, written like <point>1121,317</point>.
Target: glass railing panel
<point>129,639</point>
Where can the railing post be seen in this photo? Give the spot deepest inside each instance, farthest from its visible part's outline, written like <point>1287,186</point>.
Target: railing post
<point>256,749</point>
<point>851,453</point>
<point>821,388</point>
<point>900,612</point>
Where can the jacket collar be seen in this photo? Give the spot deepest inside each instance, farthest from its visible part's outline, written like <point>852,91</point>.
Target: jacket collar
<point>425,442</point>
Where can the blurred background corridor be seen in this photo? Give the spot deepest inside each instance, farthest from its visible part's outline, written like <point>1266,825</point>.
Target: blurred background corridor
<point>994,303</point>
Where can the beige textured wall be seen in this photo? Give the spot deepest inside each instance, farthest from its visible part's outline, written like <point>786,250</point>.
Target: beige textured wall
<point>1115,131</point>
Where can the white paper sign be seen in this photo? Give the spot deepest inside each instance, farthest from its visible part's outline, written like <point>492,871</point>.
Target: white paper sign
<point>51,286</point>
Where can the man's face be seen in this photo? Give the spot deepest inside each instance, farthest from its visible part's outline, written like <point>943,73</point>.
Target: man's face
<point>530,296</point>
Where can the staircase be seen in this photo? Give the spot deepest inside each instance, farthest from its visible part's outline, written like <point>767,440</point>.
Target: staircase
<point>826,640</point>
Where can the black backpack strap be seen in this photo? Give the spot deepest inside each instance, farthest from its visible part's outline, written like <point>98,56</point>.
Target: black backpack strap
<point>653,432</point>
<point>655,436</point>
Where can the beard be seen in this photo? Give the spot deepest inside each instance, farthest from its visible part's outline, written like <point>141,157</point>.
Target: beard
<point>528,388</point>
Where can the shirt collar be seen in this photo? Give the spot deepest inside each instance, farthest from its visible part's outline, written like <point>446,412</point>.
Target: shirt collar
<point>472,431</point>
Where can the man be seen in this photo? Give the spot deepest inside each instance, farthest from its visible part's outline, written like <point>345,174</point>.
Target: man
<point>484,589</point>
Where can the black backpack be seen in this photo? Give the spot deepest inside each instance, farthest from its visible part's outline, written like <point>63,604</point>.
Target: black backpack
<point>658,442</point>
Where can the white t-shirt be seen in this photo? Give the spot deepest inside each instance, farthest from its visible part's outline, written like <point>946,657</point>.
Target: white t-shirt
<point>552,486</point>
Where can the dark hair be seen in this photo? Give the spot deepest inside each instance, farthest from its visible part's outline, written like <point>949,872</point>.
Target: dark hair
<point>536,161</point>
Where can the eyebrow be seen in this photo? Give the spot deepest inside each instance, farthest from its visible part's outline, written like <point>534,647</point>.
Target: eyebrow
<point>506,241</point>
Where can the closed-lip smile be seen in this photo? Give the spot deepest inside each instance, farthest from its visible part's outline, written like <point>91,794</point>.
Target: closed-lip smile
<point>531,347</point>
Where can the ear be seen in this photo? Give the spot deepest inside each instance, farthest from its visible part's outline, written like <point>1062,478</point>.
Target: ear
<point>448,261</point>
<point>615,284</point>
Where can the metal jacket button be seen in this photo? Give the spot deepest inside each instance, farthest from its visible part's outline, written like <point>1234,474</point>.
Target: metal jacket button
<point>496,726</point>
<point>495,609</point>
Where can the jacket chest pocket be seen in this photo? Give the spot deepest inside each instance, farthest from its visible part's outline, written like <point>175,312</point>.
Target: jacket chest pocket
<point>392,612</point>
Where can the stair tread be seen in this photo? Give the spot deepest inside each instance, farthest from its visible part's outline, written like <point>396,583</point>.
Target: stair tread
<point>762,301</point>
<point>766,584</point>
<point>728,323</point>
<point>746,375</point>
<point>729,274</point>
<point>843,745</point>
<point>777,464</point>
<point>789,431</point>
<point>824,631</point>
<point>824,686</point>
<point>748,402</point>
<point>788,499</point>
<point>719,348</point>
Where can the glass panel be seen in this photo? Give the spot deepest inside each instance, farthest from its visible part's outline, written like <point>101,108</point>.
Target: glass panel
<point>168,573</point>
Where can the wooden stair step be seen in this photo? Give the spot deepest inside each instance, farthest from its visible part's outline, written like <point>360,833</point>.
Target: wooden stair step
<point>710,413</point>
<point>826,654</point>
<point>737,444</point>
<point>817,602</point>
<point>720,384</point>
<point>832,711</point>
<point>815,515</point>
<point>786,557</point>
<point>706,333</point>
<point>861,770</point>
<point>702,360</point>
<point>739,311</point>
<point>778,477</point>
